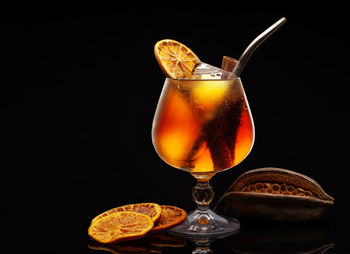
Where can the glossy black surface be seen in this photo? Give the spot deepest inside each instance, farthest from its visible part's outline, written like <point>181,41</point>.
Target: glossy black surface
<point>77,102</point>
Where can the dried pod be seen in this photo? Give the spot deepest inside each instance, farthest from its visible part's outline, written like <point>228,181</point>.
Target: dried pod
<point>275,194</point>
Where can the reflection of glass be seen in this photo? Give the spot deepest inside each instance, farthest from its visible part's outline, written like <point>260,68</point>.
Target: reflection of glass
<point>203,127</point>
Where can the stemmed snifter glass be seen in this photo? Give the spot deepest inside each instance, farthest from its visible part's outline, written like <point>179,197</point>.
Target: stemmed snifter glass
<point>203,126</point>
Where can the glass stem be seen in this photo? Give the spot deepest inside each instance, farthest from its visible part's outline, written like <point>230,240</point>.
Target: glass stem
<point>202,224</point>
<point>202,194</point>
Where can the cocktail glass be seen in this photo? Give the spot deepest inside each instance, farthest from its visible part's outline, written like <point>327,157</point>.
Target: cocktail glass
<point>203,126</point>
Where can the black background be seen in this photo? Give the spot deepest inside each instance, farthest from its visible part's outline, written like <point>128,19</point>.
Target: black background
<point>78,94</point>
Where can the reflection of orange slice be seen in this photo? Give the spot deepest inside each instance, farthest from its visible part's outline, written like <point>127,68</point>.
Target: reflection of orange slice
<point>120,226</point>
<point>175,59</point>
<point>151,209</point>
<point>132,247</point>
<point>170,216</point>
<point>163,239</point>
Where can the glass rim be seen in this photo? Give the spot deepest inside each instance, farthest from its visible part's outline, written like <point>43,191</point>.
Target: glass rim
<point>186,79</point>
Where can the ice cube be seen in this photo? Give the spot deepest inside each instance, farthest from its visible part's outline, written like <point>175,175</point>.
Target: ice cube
<point>207,71</point>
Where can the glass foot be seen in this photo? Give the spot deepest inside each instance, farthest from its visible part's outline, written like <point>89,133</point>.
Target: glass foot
<point>206,223</point>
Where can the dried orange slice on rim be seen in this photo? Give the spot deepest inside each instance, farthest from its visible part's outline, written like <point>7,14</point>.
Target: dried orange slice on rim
<point>153,210</point>
<point>171,216</point>
<point>175,59</point>
<point>120,226</point>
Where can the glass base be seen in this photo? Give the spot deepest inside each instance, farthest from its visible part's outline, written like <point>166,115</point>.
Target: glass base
<point>206,223</point>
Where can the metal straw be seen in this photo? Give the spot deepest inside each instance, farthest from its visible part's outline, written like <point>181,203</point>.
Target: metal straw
<point>254,44</point>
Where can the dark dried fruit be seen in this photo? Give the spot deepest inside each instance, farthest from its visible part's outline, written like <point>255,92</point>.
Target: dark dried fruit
<point>275,194</point>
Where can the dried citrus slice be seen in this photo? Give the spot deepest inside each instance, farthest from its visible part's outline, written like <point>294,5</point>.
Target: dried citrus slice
<point>170,217</point>
<point>120,226</point>
<point>175,59</point>
<point>151,209</point>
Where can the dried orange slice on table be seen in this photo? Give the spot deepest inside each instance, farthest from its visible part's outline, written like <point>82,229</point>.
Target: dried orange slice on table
<point>175,59</point>
<point>171,216</point>
<point>151,209</point>
<point>120,226</point>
